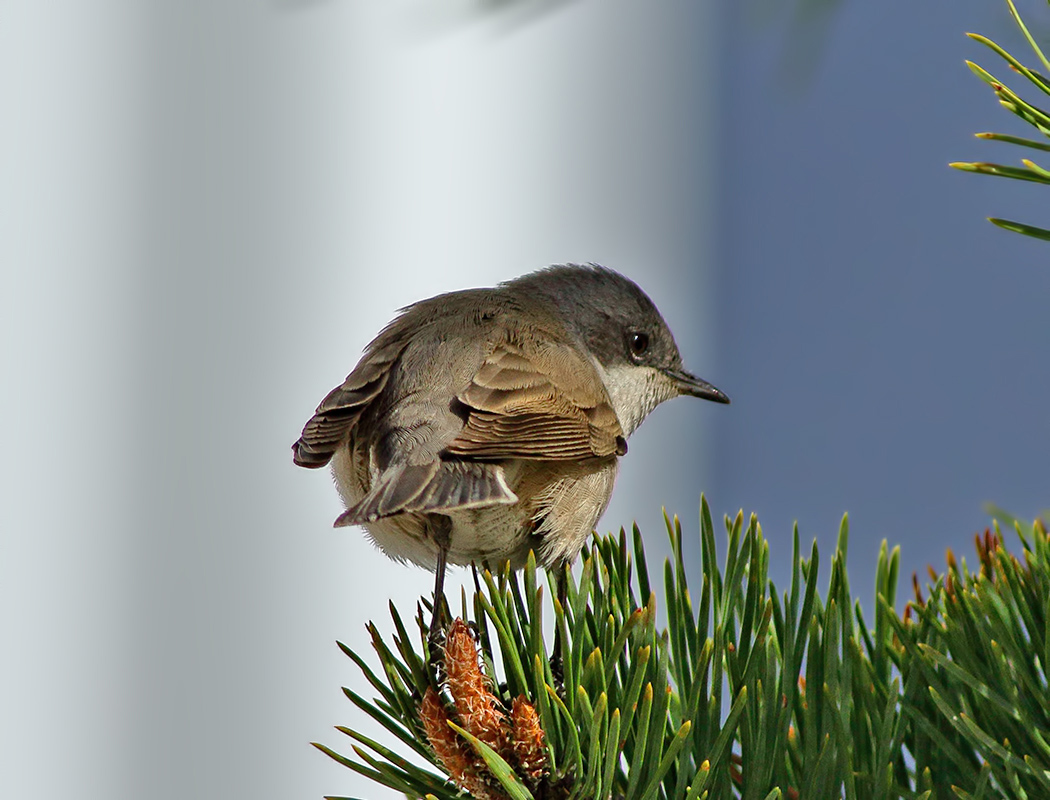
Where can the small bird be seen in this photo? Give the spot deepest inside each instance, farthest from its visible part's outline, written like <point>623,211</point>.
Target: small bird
<point>483,424</point>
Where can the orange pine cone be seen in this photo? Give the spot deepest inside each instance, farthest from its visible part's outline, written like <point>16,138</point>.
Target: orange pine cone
<point>527,741</point>
<point>477,707</point>
<point>461,763</point>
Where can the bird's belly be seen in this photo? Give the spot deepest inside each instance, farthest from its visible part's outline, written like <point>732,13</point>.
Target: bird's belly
<point>491,536</point>
<point>481,535</point>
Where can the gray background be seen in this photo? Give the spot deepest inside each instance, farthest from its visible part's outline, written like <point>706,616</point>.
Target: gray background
<point>207,209</point>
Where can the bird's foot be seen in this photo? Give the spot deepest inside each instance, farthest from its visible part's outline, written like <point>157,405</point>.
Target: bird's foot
<point>436,636</point>
<point>558,674</point>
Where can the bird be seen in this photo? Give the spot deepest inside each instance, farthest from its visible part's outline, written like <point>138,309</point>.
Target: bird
<point>484,424</point>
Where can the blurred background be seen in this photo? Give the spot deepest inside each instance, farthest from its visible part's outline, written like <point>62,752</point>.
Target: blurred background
<point>208,209</point>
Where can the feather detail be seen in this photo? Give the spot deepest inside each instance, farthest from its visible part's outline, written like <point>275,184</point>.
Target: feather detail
<point>435,487</point>
<point>546,404</point>
<point>342,407</point>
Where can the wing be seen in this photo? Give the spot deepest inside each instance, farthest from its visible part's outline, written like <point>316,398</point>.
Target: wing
<point>343,406</point>
<point>540,401</point>
<point>339,412</point>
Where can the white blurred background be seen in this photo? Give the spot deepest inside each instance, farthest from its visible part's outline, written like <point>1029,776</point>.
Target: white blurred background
<point>208,208</point>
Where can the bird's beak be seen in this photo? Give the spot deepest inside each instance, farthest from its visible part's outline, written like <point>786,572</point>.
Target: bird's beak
<point>694,386</point>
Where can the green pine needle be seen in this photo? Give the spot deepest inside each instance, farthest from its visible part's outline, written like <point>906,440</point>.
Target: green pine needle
<point>1028,112</point>
<point>950,699</point>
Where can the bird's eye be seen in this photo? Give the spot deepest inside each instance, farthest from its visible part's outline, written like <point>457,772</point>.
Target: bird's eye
<point>638,341</point>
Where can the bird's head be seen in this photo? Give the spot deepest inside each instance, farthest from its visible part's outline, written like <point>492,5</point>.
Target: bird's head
<point>625,336</point>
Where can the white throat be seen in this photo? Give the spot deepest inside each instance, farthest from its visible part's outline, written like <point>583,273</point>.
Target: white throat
<point>635,392</point>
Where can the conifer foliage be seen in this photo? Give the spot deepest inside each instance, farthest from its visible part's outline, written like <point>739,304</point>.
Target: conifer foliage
<point>1029,111</point>
<point>746,693</point>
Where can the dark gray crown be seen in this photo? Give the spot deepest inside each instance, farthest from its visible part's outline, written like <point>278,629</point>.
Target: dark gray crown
<point>603,308</point>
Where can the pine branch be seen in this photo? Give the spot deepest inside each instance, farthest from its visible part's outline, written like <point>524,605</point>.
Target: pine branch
<point>752,694</point>
<point>1031,113</point>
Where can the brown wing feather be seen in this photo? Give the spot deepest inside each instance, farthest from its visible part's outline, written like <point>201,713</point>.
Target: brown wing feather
<point>546,402</point>
<point>342,407</point>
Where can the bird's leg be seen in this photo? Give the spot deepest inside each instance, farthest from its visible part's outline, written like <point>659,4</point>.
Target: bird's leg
<point>557,662</point>
<point>439,527</point>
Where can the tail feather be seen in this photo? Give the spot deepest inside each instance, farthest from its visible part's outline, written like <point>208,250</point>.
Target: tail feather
<point>430,488</point>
